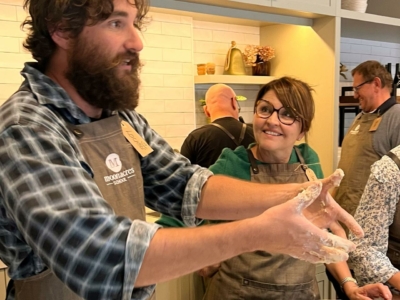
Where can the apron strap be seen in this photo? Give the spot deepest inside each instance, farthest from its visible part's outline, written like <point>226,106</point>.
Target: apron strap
<point>230,135</point>
<point>394,158</point>
<point>299,156</point>
<point>242,133</point>
<point>253,162</point>
<point>10,287</point>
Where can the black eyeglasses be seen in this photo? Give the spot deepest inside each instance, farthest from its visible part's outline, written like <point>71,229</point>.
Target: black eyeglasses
<point>358,87</point>
<point>286,115</point>
<point>239,108</point>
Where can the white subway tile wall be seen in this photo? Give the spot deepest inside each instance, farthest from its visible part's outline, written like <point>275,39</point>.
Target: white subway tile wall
<point>169,100</point>
<point>356,51</point>
<point>12,56</point>
<point>211,44</point>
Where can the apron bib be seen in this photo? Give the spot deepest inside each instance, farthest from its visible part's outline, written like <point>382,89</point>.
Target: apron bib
<point>117,173</point>
<point>357,156</point>
<point>260,275</point>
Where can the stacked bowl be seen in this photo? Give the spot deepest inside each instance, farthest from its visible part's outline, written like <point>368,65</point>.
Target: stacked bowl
<point>355,5</point>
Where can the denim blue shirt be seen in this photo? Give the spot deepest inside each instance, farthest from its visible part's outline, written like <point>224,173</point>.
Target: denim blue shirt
<point>52,214</point>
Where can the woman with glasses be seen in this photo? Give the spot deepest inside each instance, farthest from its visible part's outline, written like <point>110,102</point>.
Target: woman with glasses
<point>283,113</point>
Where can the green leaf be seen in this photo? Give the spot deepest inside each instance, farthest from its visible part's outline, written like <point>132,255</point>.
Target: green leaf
<point>241,98</point>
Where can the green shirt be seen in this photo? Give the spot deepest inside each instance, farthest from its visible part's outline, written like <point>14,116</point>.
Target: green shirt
<point>235,163</point>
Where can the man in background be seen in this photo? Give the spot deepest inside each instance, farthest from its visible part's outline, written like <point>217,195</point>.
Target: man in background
<point>204,145</point>
<point>373,133</point>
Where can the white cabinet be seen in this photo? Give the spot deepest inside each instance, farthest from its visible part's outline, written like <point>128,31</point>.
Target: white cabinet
<point>326,7</point>
<point>3,281</point>
<point>325,287</point>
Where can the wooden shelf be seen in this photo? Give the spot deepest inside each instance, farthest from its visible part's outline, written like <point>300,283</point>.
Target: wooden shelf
<point>232,79</point>
<point>370,18</point>
<point>369,26</point>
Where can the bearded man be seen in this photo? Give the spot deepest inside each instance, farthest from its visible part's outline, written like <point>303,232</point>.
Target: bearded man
<point>78,165</point>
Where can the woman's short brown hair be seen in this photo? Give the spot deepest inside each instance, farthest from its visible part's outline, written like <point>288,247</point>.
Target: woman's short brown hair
<point>295,94</point>
<point>69,15</point>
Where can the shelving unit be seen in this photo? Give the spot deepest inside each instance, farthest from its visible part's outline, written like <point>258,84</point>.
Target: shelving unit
<point>369,26</point>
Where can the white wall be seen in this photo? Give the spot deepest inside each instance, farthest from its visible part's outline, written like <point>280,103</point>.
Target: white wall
<point>12,54</point>
<point>211,44</point>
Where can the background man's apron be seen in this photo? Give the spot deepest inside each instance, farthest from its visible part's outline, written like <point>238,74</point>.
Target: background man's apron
<point>356,158</point>
<point>260,275</point>
<point>108,153</point>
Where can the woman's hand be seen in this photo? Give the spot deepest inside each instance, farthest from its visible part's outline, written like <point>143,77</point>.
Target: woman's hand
<point>209,271</point>
<point>367,292</point>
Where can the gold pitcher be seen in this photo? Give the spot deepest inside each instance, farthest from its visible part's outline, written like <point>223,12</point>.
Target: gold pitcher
<point>234,64</point>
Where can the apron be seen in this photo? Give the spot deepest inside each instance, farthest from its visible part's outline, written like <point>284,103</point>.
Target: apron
<point>260,275</point>
<point>357,156</point>
<point>118,175</point>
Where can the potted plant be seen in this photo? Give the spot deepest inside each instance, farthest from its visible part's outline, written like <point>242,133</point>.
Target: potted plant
<point>259,58</point>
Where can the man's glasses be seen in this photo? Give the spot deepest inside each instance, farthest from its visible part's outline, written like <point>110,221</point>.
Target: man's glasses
<point>265,109</point>
<point>239,108</point>
<point>358,87</point>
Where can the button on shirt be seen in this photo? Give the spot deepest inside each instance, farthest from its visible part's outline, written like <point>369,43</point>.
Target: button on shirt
<point>52,214</point>
<point>375,214</point>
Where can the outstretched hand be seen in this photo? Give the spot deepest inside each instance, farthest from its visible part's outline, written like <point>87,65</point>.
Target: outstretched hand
<point>297,235</point>
<point>325,212</point>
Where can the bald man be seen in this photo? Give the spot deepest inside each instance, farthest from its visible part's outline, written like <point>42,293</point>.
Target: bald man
<point>204,145</point>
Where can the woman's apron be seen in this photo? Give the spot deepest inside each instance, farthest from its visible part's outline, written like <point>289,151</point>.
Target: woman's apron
<point>117,173</point>
<point>260,275</point>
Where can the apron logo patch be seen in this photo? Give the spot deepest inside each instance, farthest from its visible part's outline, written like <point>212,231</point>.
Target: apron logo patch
<point>355,131</point>
<point>113,162</point>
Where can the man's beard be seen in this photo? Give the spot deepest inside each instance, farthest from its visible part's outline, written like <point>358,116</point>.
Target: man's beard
<point>97,79</point>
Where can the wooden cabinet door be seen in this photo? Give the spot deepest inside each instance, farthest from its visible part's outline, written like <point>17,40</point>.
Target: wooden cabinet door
<point>2,283</point>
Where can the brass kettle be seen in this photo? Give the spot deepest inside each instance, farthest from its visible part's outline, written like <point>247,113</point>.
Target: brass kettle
<point>234,64</point>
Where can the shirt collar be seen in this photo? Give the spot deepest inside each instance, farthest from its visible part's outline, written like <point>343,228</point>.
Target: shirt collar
<point>49,93</point>
<point>383,107</point>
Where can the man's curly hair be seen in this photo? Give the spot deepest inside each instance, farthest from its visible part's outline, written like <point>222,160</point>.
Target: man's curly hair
<point>71,16</point>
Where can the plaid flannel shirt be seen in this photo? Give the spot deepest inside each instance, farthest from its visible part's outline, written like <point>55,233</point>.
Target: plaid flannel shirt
<point>52,214</point>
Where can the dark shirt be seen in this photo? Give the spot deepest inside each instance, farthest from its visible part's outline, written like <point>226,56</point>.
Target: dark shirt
<point>204,145</point>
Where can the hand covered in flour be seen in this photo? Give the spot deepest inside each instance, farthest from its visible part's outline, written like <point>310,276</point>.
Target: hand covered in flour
<point>296,235</point>
<point>325,212</point>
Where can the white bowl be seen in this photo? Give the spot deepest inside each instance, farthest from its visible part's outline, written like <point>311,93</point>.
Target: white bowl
<point>355,5</point>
